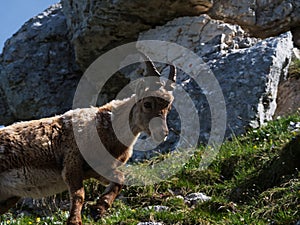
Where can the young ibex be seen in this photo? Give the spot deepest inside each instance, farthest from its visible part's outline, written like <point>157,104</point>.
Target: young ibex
<point>41,158</point>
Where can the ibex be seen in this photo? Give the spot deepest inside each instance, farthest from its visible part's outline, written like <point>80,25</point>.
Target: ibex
<point>41,158</point>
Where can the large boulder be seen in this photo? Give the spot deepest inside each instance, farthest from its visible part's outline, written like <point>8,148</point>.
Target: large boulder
<point>38,74</point>
<point>260,18</point>
<point>248,71</point>
<point>98,26</point>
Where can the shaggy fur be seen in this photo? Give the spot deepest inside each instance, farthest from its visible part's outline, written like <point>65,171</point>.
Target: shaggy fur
<point>41,157</point>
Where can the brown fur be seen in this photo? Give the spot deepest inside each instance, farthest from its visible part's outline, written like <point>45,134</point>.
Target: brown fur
<point>41,157</point>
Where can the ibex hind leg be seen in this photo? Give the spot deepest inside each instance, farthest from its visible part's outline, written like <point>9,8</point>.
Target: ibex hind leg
<point>7,204</point>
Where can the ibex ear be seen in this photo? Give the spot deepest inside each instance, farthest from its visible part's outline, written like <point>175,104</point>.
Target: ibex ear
<point>171,82</point>
<point>140,89</point>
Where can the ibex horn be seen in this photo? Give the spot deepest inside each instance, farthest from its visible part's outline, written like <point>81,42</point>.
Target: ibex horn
<point>172,73</point>
<point>151,69</point>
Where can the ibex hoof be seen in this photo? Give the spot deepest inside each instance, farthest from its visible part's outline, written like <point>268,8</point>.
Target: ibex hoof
<point>74,222</point>
<point>98,211</point>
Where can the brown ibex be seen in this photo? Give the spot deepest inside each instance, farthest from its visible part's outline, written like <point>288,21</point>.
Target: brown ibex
<point>41,158</point>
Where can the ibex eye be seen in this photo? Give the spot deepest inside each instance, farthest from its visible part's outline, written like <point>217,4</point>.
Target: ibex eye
<point>147,105</point>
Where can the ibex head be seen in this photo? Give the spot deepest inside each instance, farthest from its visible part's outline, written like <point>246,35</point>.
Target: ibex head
<point>153,102</point>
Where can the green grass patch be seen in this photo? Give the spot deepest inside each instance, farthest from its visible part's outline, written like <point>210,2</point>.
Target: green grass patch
<point>294,69</point>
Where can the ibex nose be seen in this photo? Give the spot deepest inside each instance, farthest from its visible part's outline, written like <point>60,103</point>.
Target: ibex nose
<point>159,129</point>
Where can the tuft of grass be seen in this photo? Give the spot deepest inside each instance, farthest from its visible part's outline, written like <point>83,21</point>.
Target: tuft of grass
<point>294,69</point>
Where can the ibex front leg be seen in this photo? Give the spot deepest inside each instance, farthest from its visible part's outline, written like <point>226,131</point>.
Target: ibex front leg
<point>74,179</point>
<point>108,197</point>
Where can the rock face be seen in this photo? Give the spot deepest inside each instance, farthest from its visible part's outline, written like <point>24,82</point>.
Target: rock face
<point>97,26</point>
<point>39,74</point>
<point>6,115</point>
<point>37,69</point>
<point>260,18</point>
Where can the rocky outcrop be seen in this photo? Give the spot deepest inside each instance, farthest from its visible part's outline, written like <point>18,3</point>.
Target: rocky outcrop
<point>260,18</point>
<point>97,26</point>
<point>39,74</point>
<point>248,71</point>
<point>37,69</point>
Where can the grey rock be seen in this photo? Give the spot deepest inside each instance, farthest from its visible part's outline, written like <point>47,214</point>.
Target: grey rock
<point>254,102</point>
<point>38,70</point>
<point>210,38</point>
<point>294,126</point>
<point>248,76</point>
<point>195,198</point>
<point>97,26</point>
<point>158,208</point>
<point>260,18</point>
<point>7,116</point>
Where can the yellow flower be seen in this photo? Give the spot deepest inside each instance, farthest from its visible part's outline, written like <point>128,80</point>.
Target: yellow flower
<point>38,219</point>
<point>7,221</point>
<point>29,222</point>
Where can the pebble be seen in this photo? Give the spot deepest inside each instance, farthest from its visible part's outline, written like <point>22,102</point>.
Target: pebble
<point>149,223</point>
<point>194,198</point>
<point>158,208</point>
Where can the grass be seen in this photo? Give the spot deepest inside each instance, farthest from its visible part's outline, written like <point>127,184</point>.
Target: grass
<point>238,160</point>
<point>294,69</point>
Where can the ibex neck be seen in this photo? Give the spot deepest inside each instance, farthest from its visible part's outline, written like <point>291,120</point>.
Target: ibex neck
<point>123,122</point>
